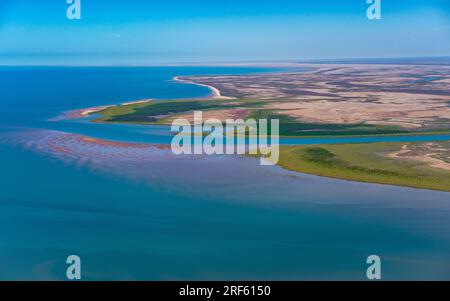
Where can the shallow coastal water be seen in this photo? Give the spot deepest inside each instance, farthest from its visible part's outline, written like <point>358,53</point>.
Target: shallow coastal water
<point>133,211</point>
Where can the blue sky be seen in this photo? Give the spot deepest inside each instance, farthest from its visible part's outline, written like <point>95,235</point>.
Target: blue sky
<point>169,31</point>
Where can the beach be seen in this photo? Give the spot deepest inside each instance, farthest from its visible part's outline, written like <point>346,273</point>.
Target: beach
<point>215,93</point>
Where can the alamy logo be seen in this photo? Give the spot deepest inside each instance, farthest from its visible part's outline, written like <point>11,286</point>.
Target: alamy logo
<point>374,270</point>
<point>374,10</point>
<point>213,137</point>
<point>74,10</point>
<point>73,272</point>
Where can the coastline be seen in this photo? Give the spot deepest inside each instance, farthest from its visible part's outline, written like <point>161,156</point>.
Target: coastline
<point>352,170</point>
<point>215,93</point>
<point>85,112</point>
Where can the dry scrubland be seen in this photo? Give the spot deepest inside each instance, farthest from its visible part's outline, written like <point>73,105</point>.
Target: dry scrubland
<point>409,97</point>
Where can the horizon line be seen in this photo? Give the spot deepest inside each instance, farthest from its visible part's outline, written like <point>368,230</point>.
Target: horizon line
<point>419,60</point>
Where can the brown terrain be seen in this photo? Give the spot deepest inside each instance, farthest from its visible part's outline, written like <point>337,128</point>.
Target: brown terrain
<point>435,154</point>
<point>407,96</point>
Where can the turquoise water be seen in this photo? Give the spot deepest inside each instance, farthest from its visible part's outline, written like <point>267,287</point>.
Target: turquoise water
<point>211,218</point>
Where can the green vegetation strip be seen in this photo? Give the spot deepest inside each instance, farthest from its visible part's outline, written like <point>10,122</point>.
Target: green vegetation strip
<point>366,162</point>
<point>291,127</point>
<point>151,112</point>
<point>158,112</point>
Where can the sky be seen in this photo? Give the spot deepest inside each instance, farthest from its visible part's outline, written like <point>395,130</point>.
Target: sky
<point>175,31</point>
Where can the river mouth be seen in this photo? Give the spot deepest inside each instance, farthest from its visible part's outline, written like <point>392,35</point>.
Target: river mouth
<point>158,217</point>
<point>161,134</point>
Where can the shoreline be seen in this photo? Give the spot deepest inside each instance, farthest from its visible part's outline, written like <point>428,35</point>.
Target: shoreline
<point>215,93</point>
<point>374,165</point>
<point>351,172</point>
<point>85,112</point>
